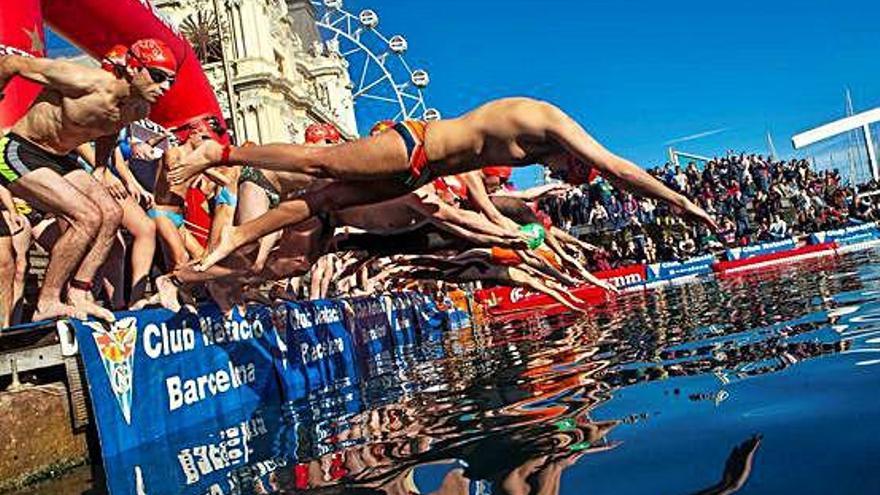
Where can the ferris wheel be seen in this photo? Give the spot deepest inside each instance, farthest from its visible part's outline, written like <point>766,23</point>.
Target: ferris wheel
<point>384,86</point>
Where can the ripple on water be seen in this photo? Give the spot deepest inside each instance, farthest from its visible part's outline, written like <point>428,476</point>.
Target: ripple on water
<point>759,384</point>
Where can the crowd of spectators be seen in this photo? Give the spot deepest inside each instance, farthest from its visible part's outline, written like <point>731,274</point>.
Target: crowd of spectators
<point>753,198</point>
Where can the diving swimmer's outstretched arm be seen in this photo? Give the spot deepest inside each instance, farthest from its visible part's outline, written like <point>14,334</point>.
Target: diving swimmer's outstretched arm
<point>479,197</point>
<point>621,172</point>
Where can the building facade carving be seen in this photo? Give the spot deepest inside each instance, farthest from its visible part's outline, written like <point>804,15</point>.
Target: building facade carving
<point>282,75</point>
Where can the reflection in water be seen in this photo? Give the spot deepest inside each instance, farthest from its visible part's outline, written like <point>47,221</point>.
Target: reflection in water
<point>508,409</point>
<point>678,390</point>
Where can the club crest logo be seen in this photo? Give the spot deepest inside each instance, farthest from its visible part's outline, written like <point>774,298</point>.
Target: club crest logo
<point>116,347</point>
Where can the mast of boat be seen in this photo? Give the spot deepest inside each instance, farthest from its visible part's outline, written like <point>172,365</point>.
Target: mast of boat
<point>771,147</point>
<point>849,137</point>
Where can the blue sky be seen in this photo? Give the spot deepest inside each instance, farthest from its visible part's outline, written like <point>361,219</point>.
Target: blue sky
<point>640,74</point>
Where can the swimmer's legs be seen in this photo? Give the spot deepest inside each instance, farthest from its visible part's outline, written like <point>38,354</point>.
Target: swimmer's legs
<point>143,246</point>
<point>254,202</point>
<point>51,192</point>
<point>7,274</point>
<point>335,196</point>
<point>370,158</point>
<point>21,243</point>
<point>111,218</point>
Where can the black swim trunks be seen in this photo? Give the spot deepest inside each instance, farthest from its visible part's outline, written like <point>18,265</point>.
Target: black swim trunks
<point>256,176</point>
<point>18,157</point>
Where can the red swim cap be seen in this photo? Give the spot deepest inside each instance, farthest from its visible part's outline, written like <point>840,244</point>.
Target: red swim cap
<point>579,173</point>
<point>151,52</point>
<point>317,133</point>
<point>381,126</point>
<point>546,221</point>
<point>453,185</point>
<point>500,171</point>
<point>204,124</point>
<point>115,57</point>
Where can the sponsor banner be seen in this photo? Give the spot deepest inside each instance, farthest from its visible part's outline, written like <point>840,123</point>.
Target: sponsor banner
<point>371,328</point>
<point>770,259</point>
<point>184,403</point>
<point>850,235</point>
<point>695,266</point>
<point>404,334</point>
<point>320,348</point>
<point>626,276</point>
<point>374,348</point>
<point>199,404</point>
<point>742,253</point>
<point>430,322</point>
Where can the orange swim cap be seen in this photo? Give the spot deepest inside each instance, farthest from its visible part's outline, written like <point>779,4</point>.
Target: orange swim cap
<point>505,257</point>
<point>151,52</point>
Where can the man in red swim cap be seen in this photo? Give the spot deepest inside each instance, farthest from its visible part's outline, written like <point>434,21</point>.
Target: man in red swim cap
<point>322,134</point>
<point>78,105</point>
<point>512,131</point>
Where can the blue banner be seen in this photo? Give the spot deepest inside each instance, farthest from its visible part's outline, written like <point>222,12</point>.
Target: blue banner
<point>430,323</point>
<point>371,328</point>
<point>746,252</point>
<point>404,331</point>
<point>184,403</point>
<point>851,235</point>
<point>675,269</point>
<point>318,345</point>
<point>202,404</point>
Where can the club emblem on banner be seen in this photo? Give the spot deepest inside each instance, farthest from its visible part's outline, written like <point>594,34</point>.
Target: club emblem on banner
<point>116,348</point>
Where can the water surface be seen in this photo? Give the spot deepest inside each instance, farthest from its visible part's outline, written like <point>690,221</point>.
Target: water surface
<point>761,384</point>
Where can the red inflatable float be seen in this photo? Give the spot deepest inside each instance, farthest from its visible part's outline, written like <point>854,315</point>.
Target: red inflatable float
<point>95,26</point>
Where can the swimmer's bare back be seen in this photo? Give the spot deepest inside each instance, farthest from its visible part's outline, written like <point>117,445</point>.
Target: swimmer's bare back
<point>493,133</point>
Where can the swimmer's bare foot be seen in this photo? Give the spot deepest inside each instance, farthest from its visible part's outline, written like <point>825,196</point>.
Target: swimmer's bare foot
<point>167,291</point>
<point>56,310</point>
<point>201,159</point>
<point>147,301</point>
<point>225,246</point>
<point>83,302</point>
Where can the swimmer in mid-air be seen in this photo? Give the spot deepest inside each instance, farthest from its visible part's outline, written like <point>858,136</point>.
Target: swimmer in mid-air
<point>516,131</point>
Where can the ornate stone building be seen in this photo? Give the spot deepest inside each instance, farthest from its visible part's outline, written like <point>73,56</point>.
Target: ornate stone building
<point>282,76</point>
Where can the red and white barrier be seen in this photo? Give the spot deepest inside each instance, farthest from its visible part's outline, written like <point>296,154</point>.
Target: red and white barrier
<point>504,300</point>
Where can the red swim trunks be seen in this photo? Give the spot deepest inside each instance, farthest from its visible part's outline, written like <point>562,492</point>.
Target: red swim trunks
<point>413,134</point>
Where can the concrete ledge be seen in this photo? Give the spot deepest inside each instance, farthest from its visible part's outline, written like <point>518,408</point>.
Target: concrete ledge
<point>36,436</point>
